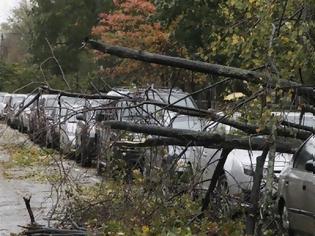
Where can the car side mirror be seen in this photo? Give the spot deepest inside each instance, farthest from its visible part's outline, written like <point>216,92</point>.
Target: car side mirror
<point>310,166</point>
<point>80,117</point>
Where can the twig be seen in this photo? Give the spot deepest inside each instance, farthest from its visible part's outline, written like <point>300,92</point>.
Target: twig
<point>29,209</point>
<point>57,62</point>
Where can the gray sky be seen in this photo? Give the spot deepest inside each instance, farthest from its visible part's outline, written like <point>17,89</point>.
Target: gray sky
<point>5,8</point>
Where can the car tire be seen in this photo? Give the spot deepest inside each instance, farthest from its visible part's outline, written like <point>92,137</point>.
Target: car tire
<point>85,159</point>
<point>285,221</point>
<point>222,184</point>
<point>222,200</point>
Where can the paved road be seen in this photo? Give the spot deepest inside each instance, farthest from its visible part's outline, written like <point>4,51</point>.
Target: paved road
<point>12,207</point>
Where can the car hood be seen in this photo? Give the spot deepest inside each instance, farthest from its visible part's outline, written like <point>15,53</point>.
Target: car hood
<point>246,158</point>
<point>187,122</point>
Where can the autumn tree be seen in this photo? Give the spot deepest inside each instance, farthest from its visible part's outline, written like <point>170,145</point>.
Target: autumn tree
<point>131,24</point>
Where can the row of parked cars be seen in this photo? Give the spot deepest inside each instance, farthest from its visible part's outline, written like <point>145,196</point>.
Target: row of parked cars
<point>75,126</point>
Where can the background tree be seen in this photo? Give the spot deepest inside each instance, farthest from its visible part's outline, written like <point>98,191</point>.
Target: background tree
<point>131,24</point>
<point>271,36</point>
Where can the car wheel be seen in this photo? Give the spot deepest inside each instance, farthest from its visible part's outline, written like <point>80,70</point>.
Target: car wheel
<point>55,142</point>
<point>85,159</point>
<point>222,185</point>
<point>222,199</point>
<point>285,221</point>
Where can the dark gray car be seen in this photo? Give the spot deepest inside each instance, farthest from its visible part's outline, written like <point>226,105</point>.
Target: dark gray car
<point>297,191</point>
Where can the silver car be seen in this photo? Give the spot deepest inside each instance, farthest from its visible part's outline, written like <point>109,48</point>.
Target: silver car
<point>2,104</point>
<point>24,117</point>
<point>85,132</point>
<point>297,191</point>
<point>12,107</point>
<point>66,123</point>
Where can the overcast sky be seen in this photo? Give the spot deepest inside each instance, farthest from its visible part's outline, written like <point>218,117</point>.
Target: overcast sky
<point>5,8</point>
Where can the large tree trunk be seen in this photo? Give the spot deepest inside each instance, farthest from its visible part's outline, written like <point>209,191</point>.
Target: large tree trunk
<point>251,216</point>
<point>203,67</point>
<point>183,137</point>
<point>214,180</point>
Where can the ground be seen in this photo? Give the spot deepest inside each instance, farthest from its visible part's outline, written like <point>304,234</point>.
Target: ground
<point>19,178</point>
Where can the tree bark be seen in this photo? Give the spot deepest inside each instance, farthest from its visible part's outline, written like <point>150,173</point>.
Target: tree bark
<point>28,104</point>
<point>183,137</point>
<point>217,173</point>
<point>27,202</point>
<point>49,90</point>
<point>203,67</point>
<point>251,216</point>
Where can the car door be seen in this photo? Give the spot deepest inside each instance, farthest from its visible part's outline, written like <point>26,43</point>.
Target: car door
<point>299,189</point>
<point>309,188</point>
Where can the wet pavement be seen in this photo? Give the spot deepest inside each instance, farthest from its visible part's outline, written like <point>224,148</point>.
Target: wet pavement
<point>13,212</point>
<point>12,207</point>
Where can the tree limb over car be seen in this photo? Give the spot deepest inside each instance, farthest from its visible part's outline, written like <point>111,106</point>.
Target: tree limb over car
<point>203,67</point>
<point>183,137</point>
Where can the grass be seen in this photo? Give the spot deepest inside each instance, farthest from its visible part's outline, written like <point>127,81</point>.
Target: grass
<point>27,163</point>
<point>115,208</point>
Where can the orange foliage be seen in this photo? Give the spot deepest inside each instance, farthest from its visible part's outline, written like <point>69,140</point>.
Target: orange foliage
<point>130,25</point>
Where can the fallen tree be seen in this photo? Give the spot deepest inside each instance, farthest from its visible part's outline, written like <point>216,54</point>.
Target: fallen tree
<point>182,137</point>
<point>203,67</point>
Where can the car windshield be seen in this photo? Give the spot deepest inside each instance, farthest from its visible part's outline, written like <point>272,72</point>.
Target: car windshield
<point>51,102</point>
<point>1,98</point>
<point>28,99</point>
<point>307,120</point>
<point>71,101</point>
<point>17,100</point>
<point>67,115</point>
<point>97,102</point>
<point>175,96</point>
<point>7,99</point>
<point>130,112</point>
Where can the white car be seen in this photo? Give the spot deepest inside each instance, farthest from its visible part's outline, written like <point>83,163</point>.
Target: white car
<point>68,127</point>
<point>2,103</point>
<point>24,117</point>
<point>240,164</point>
<point>66,123</point>
<point>240,167</point>
<point>86,132</point>
<point>12,108</point>
<point>199,160</point>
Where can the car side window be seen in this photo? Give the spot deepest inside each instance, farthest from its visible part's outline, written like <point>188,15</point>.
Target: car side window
<point>306,153</point>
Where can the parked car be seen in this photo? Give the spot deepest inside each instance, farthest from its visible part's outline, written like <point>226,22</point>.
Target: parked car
<point>24,117</point>
<point>240,164</point>
<point>240,167</point>
<point>2,104</point>
<point>64,123</point>
<point>12,107</point>
<point>149,161</point>
<point>6,100</point>
<point>38,118</point>
<point>85,132</point>
<point>297,190</point>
